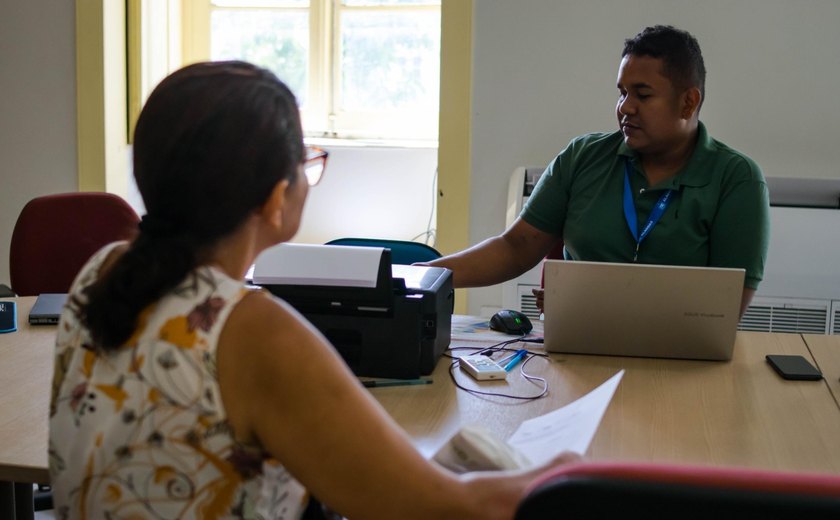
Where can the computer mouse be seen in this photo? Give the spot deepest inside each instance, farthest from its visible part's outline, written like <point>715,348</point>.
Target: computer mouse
<point>511,322</point>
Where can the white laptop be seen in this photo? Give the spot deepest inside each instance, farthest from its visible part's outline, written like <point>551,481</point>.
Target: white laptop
<point>641,310</point>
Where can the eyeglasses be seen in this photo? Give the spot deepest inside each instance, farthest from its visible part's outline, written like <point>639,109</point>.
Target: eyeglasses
<point>314,164</point>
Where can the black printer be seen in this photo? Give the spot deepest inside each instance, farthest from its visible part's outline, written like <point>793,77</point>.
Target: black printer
<point>395,328</point>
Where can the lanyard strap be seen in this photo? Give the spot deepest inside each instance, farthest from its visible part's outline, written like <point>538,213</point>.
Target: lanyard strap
<point>630,211</point>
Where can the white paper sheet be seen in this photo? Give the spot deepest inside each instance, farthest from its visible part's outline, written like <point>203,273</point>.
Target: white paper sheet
<point>570,428</point>
<point>305,264</point>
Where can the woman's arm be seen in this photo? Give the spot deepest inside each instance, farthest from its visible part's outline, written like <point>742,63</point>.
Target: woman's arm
<point>284,386</point>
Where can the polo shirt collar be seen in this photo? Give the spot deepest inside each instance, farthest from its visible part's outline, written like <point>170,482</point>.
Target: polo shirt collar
<point>695,172</point>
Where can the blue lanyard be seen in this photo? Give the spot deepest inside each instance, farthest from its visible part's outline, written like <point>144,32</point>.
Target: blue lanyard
<point>630,211</point>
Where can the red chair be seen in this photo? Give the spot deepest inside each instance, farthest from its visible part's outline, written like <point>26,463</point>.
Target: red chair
<point>56,234</point>
<point>602,490</point>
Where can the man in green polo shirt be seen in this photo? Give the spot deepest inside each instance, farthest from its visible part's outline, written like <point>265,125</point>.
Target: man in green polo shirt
<point>658,191</point>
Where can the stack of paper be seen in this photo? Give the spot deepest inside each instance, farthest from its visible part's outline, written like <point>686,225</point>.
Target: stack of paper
<point>304,264</point>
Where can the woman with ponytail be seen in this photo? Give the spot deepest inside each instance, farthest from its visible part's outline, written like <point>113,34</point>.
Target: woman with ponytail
<point>180,393</point>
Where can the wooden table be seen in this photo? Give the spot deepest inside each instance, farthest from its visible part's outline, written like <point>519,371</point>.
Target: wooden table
<point>738,413</point>
<point>26,366</point>
<point>722,413</point>
<point>826,352</point>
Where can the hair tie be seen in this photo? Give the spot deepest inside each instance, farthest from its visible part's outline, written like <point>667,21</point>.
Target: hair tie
<point>155,226</point>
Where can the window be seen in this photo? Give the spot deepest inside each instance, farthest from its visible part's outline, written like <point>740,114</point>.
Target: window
<point>153,37</point>
<point>360,68</point>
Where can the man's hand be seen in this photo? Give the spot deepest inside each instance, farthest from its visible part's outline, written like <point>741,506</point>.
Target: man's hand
<point>540,295</point>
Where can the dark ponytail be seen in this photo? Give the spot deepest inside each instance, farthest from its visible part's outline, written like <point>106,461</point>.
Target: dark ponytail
<point>210,145</point>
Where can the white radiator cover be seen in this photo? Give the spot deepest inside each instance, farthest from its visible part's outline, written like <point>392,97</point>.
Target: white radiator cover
<point>801,288</point>
<point>516,293</point>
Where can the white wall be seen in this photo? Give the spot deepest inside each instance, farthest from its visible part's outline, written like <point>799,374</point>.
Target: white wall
<point>373,192</point>
<point>376,192</point>
<point>545,70</point>
<point>37,107</point>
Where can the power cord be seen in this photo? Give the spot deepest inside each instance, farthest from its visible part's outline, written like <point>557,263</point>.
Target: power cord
<point>501,347</point>
<point>430,233</point>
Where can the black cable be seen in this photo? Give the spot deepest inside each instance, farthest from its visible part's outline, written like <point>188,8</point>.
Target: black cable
<point>501,347</point>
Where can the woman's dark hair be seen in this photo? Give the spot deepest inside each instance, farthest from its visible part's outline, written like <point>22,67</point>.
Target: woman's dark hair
<point>210,145</point>
<point>679,52</point>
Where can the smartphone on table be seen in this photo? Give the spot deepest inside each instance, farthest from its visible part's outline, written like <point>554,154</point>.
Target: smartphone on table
<point>794,367</point>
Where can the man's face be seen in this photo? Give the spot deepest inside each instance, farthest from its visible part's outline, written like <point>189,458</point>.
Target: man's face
<point>649,107</point>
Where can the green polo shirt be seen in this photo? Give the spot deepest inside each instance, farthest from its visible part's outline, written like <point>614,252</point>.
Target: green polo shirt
<point>718,215</point>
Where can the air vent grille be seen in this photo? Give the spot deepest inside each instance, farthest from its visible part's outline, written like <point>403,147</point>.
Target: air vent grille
<point>766,314</point>
<point>528,306</point>
<point>785,318</point>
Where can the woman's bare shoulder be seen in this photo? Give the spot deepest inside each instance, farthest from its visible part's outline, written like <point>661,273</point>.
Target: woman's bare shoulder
<point>262,324</point>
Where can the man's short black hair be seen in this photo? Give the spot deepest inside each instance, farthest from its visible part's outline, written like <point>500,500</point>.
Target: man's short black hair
<point>679,52</point>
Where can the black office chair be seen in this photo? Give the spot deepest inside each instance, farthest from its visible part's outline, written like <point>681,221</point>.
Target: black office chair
<point>403,252</point>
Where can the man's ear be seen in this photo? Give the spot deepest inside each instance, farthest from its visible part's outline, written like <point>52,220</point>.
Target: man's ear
<point>691,102</point>
<point>271,211</point>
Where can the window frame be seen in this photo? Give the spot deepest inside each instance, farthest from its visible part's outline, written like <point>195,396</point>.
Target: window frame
<point>321,117</point>
<point>346,122</point>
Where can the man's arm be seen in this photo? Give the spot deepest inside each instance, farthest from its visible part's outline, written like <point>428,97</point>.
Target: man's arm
<point>500,258</point>
<point>741,232</point>
<point>746,298</point>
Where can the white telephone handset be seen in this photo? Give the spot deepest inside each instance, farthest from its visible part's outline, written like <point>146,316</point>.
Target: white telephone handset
<point>474,448</point>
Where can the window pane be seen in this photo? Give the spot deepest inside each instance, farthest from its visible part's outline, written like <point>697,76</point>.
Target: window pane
<point>276,40</point>
<point>260,3</point>
<point>379,3</point>
<point>390,60</point>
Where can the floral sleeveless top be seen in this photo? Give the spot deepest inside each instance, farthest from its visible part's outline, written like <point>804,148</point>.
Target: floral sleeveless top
<point>141,432</point>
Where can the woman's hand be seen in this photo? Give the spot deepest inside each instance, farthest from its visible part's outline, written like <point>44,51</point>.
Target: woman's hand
<point>497,495</point>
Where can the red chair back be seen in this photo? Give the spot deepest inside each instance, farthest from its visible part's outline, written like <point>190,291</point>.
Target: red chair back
<point>56,234</point>
<point>601,490</point>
